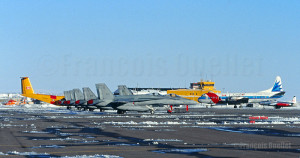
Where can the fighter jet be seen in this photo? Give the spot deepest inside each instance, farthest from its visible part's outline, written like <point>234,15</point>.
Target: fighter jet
<point>142,103</point>
<point>280,104</point>
<point>69,99</point>
<point>95,102</point>
<point>80,101</point>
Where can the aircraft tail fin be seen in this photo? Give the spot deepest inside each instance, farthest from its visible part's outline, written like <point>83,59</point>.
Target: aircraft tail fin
<point>72,94</point>
<point>123,90</point>
<point>294,101</point>
<point>88,93</point>
<point>26,86</point>
<point>67,95</point>
<point>103,92</point>
<point>78,94</point>
<point>277,85</point>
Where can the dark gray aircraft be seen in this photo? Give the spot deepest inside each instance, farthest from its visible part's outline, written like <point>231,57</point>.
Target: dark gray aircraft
<point>128,102</point>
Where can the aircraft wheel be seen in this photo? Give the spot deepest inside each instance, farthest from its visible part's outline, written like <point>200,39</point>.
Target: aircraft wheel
<point>101,110</point>
<point>91,109</point>
<point>235,106</point>
<point>68,107</point>
<point>120,112</point>
<point>151,112</point>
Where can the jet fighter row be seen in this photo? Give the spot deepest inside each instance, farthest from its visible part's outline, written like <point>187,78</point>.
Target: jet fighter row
<point>126,101</point>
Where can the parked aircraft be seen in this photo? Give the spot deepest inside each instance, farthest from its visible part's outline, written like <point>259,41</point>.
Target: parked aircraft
<point>239,98</point>
<point>94,101</point>
<point>279,104</point>
<point>126,101</point>
<point>129,102</point>
<point>27,91</point>
<point>79,98</point>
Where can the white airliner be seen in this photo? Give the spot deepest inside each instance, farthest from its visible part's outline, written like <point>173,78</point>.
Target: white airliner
<point>271,94</point>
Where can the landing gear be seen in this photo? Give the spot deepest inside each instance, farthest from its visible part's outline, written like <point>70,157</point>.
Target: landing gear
<point>277,107</point>
<point>120,112</point>
<point>151,112</point>
<point>235,106</point>
<point>68,107</point>
<point>101,110</point>
<point>91,109</point>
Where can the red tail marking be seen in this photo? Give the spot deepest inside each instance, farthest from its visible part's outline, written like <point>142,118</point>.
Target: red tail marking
<point>52,96</point>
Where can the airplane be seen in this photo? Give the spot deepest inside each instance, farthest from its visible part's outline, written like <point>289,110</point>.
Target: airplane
<point>279,104</point>
<point>141,103</point>
<point>239,98</point>
<point>94,101</point>
<point>80,101</point>
<point>27,91</point>
<point>68,100</point>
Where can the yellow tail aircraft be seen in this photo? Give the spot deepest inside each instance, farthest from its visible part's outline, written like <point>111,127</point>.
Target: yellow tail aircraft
<point>27,91</point>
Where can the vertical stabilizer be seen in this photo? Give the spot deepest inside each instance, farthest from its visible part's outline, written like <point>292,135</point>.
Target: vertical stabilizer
<point>103,92</point>
<point>72,94</point>
<point>26,86</point>
<point>294,101</point>
<point>67,95</point>
<point>78,94</point>
<point>123,90</point>
<point>88,94</point>
<point>277,85</point>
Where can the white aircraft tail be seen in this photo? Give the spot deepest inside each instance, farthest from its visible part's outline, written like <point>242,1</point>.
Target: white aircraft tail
<point>277,85</point>
<point>294,101</point>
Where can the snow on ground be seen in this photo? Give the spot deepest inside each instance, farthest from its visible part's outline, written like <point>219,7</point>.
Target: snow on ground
<point>182,151</point>
<point>46,155</point>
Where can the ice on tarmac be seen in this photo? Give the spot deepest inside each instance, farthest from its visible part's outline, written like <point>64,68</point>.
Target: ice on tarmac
<point>46,155</point>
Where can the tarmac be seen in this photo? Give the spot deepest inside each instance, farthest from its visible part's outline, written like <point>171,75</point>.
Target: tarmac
<point>200,132</point>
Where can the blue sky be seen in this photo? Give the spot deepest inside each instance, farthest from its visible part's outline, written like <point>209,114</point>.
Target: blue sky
<point>61,45</point>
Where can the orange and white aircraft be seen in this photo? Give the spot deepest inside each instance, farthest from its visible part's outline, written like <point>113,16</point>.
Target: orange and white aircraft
<point>27,91</point>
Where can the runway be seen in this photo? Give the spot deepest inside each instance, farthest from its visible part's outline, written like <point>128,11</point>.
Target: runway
<point>39,131</point>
